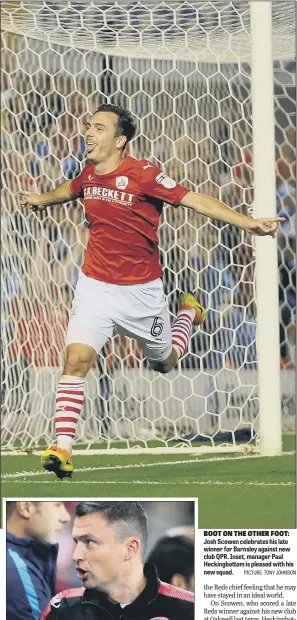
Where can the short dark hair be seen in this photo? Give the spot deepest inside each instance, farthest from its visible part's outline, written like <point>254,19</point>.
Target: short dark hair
<point>126,120</point>
<point>11,508</point>
<point>128,517</point>
<point>173,555</point>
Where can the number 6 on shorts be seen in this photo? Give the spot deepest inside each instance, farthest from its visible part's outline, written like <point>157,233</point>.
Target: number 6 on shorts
<point>157,326</point>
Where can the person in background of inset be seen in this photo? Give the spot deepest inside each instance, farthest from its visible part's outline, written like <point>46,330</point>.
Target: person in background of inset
<point>111,539</point>
<point>173,557</point>
<point>31,556</point>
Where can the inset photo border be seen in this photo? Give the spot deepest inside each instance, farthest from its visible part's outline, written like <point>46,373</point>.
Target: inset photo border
<point>139,554</point>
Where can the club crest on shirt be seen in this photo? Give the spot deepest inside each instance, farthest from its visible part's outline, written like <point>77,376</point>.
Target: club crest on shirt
<point>165,180</point>
<point>122,182</point>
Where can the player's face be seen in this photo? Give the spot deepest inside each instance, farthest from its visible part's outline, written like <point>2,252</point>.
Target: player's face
<point>47,520</point>
<point>101,137</point>
<point>98,554</point>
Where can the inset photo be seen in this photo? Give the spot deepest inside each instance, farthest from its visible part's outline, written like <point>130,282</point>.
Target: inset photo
<point>101,560</point>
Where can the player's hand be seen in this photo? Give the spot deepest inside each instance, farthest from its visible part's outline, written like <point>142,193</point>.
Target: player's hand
<point>265,226</point>
<point>32,201</point>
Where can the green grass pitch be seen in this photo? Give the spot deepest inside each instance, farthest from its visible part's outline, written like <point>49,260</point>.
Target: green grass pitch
<point>233,491</point>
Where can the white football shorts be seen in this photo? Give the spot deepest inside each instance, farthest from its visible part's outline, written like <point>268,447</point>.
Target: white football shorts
<point>101,310</point>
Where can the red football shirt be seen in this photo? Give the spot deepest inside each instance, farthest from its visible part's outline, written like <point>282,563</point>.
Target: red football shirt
<point>123,210</point>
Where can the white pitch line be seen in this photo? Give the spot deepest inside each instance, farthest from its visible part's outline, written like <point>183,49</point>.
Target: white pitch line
<point>197,461</point>
<point>150,482</point>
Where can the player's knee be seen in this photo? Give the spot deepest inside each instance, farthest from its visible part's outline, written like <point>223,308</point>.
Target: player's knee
<point>161,367</point>
<point>78,360</point>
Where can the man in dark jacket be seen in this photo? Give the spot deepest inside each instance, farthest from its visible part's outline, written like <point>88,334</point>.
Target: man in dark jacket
<point>111,540</point>
<point>31,552</point>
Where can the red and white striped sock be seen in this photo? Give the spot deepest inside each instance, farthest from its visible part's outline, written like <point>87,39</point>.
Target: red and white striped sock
<point>69,402</point>
<point>181,330</point>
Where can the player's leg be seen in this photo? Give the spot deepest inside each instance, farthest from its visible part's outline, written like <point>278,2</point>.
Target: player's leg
<point>190,313</point>
<point>166,365</point>
<point>144,315</point>
<point>70,393</point>
<point>79,359</point>
<point>69,402</point>
<point>89,329</point>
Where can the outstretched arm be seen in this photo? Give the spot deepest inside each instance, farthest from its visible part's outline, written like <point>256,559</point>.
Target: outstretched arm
<point>38,202</point>
<point>216,210</point>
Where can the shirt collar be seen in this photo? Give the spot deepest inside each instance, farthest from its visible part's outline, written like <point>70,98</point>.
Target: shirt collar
<point>148,594</point>
<point>42,549</point>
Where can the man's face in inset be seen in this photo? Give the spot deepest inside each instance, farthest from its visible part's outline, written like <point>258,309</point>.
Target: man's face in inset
<point>46,520</point>
<point>101,551</point>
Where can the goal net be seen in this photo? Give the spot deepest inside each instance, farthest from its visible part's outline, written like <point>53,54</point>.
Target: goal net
<point>183,68</point>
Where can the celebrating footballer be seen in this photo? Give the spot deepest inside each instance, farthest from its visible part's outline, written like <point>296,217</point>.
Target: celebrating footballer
<point>119,289</point>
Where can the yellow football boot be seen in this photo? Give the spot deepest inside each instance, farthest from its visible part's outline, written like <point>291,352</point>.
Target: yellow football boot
<point>57,460</point>
<point>187,301</point>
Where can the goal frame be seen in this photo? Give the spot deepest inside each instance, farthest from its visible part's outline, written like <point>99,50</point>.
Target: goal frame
<point>266,249</point>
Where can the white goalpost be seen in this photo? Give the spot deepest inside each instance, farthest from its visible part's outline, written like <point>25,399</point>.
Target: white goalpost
<point>212,85</point>
<point>266,253</point>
